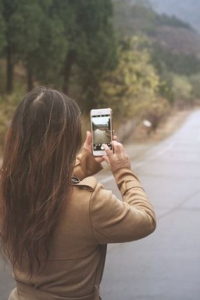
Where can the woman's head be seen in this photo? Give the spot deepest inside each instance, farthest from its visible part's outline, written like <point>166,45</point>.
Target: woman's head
<point>41,145</point>
<point>46,125</point>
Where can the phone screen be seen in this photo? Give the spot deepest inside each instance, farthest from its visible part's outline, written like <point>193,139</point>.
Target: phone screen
<point>101,128</point>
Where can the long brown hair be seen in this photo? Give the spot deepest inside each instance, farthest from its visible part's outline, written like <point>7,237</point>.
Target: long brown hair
<point>39,154</point>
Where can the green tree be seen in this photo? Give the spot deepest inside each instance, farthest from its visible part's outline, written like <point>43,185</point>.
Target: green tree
<point>131,87</point>
<point>91,41</point>
<point>34,37</point>
<point>179,63</point>
<point>2,43</point>
<point>8,9</point>
<point>165,20</point>
<point>2,28</point>
<point>44,61</point>
<point>24,30</point>
<point>182,90</point>
<point>195,82</point>
<point>134,17</point>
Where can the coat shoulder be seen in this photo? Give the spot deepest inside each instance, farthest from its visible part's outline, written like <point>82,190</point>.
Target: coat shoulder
<point>88,183</point>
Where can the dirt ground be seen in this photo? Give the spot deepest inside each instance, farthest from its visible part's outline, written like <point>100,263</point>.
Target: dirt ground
<point>172,123</point>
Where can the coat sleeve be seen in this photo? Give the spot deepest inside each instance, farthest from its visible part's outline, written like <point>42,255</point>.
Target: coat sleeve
<point>115,221</point>
<point>85,165</point>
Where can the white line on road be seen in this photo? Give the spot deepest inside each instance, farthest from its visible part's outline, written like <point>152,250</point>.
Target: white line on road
<point>142,163</point>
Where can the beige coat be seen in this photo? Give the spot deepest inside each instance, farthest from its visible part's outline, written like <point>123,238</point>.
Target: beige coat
<point>93,217</point>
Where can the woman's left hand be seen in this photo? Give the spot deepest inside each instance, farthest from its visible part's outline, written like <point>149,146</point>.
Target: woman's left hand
<point>88,146</point>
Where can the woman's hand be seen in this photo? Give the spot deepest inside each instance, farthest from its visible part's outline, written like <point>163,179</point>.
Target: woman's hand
<point>118,159</point>
<point>88,146</point>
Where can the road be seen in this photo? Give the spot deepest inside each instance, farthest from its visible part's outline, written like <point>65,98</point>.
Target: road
<point>165,265</point>
<point>100,137</point>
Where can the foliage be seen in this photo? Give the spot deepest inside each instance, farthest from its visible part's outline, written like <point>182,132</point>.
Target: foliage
<point>35,37</point>
<point>186,10</point>
<point>195,82</point>
<point>46,61</point>
<point>133,17</point>
<point>178,63</point>
<point>182,90</point>
<point>7,107</point>
<point>134,84</point>
<point>92,46</point>
<point>50,37</point>
<point>71,45</point>
<point>2,28</point>
<point>155,112</point>
<point>3,126</point>
<point>165,20</point>
<point>137,17</point>
<point>98,54</point>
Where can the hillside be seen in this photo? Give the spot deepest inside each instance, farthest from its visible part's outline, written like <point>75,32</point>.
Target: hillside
<point>178,40</point>
<point>171,33</point>
<point>187,10</point>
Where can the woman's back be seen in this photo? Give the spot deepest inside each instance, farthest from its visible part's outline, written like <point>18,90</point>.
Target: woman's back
<point>56,220</point>
<point>76,260</point>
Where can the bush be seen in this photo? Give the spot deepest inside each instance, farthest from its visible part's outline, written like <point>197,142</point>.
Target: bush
<point>195,82</point>
<point>130,88</point>
<point>182,91</point>
<point>7,107</point>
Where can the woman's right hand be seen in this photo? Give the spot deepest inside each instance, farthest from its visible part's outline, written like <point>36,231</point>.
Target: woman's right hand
<point>118,158</point>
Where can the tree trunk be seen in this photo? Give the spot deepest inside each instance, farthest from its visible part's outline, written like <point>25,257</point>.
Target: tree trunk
<point>69,61</point>
<point>9,71</point>
<point>29,80</point>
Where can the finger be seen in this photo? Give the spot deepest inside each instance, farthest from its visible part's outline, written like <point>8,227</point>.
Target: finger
<point>114,138</point>
<point>107,150</point>
<point>118,148</point>
<point>106,159</point>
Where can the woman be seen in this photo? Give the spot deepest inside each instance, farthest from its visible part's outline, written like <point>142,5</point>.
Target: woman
<point>56,220</point>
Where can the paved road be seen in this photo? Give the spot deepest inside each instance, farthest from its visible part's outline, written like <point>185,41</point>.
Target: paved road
<point>164,266</point>
<point>100,137</point>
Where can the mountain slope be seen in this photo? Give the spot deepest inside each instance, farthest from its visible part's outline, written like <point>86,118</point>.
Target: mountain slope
<point>178,40</point>
<point>132,17</point>
<point>187,10</point>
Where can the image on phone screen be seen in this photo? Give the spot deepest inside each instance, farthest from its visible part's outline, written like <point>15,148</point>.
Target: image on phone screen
<point>101,128</point>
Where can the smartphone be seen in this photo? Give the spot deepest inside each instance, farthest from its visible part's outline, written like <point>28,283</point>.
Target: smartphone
<point>101,128</point>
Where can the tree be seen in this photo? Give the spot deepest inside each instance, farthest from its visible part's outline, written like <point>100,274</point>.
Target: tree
<point>131,87</point>
<point>182,90</point>
<point>92,45</point>
<point>2,28</point>
<point>195,82</point>
<point>24,29</point>
<point>44,61</point>
<point>134,17</point>
<point>34,37</point>
<point>8,8</point>
<point>2,41</point>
